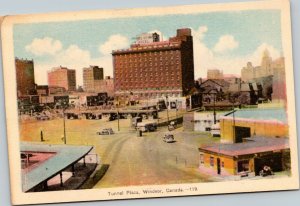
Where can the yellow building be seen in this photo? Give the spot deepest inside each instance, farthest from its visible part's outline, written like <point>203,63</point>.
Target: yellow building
<point>245,159</point>
<point>250,140</point>
<point>267,122</point>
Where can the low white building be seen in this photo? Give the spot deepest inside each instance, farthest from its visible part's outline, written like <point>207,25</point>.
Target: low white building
<point>203,121</point>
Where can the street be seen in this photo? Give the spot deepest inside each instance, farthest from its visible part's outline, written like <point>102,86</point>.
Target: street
<point>132,160</point>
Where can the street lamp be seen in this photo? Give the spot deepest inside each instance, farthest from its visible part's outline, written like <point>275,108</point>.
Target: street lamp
<point>167,98</point>
<point>176,108</point>
<point>214,93</point>
<point>118,113</point>
<point>64,118</point>
<point>64,107</point>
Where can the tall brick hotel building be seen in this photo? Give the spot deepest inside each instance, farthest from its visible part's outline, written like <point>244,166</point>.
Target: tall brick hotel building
<point>152,68</point>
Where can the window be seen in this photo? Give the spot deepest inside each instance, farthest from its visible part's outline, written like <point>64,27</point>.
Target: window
<point>243,165</point>
<point>211,161</point>
<point>201,159</point>
<point>223,165</point>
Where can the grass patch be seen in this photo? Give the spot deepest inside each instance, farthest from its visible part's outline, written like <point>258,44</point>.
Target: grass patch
<point>93,180</point>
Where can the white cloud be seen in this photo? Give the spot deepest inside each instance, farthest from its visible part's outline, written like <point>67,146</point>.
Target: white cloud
<point>203,56</point>
<point>199,34</point>
<point>226,43</point>
<point>206,58</point>
<point>73,58</point>
<point>45,46</point>
<point>257,54</point>
<point>116,41</point>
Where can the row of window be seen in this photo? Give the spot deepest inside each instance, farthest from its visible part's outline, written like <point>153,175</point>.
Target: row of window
<point>242,165</point>
<point>137,72</point>
<point>148,59</point>
<point>145,64</point>
<point>153,54</point>
<point>155,88</point>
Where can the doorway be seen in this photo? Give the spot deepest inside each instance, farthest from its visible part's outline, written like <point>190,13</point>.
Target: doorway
<point>241,132</point>
<point>219,166</point>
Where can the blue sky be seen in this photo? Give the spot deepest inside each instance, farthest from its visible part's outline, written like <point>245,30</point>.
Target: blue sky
<point>224,40</point>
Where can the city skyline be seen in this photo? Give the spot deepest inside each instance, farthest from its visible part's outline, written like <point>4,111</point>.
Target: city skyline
<point>229,49</point>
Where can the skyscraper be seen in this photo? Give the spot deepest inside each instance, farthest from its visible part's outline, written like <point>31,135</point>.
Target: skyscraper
<point>62,77</point>
<point>92,77</point>
<point>25,76</point>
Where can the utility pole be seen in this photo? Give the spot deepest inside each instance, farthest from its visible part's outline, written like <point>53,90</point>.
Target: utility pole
<point>215,120</point>
<point>118,113</point>
<point>176,109</point>
<point>167,98</point>
<point>65,136</point>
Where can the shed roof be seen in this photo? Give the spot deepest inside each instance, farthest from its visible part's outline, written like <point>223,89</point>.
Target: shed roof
<point>65,155</point>
<point>253,145</point>
<point>265,114</point>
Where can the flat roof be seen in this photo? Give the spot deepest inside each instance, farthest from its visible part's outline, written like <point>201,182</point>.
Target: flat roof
<point>252,146</point>
<point>65,155</point>
<point>266,114</point>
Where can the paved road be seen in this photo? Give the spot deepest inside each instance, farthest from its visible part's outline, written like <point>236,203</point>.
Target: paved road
<point>148,160</point>
<point>133,160</point>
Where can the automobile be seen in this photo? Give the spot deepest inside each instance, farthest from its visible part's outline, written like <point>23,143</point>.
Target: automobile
<point>266,171</point>
<point>168,138</point>
<point>42,117</point>
<point>172,126</point>
<point>215,130</point>
<point>147,126</point>
<point>106,131</point>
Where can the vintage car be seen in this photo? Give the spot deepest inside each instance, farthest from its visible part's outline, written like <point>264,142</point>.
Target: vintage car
<point>168,138</point>
<point>172,126</point>
<point>42,117</point>
<point>147,126</point>
<point>106,131</point>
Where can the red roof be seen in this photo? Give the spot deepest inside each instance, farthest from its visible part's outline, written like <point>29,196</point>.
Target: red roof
<point>254,145</point>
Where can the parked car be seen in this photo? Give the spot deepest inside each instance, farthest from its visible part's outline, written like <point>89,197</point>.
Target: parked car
<point>168,138</point>
<point>147,126</point>
<point>106,131</point>
<point>172,126</point>
<point>42,117</point>
<point>266,171</point>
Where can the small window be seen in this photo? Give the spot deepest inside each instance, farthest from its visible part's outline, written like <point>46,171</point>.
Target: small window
<point>211,161</point>
<point>223,165</point>
<point>201,159</point>
<point>243,165</point>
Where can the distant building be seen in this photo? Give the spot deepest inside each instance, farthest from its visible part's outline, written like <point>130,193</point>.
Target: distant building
<point>25,77</point>
<point>42,90</point>
<point>147,38</point>
<point>62,77</point>
<point>57,90</point>
<point>245,93</point>
<point>155,68</point>
<point>265,69</point>
<point>105,86</point>
<point>92,77</point>
<point>231,78</point>
<point>213,90</point>
<point>279,83</point>
<point>214,74</point>
<point>201,121</point>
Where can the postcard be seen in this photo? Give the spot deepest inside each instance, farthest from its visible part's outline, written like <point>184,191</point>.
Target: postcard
<point>150,102</point>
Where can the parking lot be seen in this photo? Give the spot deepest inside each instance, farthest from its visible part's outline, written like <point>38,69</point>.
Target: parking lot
<point>132,160</point>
